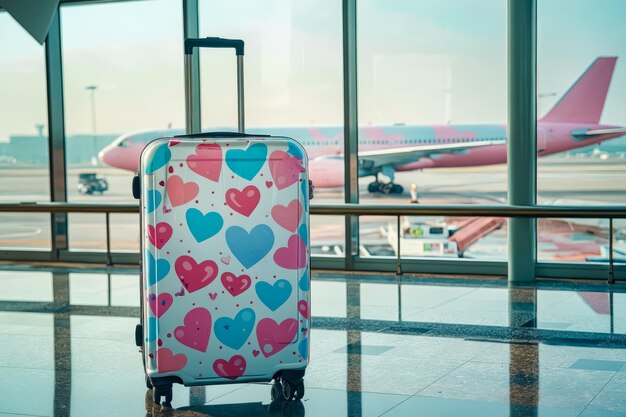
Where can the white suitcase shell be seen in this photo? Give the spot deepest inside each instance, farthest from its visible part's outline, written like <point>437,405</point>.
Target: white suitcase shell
<point>225,251</point>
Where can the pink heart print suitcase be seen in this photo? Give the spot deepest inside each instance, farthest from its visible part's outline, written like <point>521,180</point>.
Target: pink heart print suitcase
<point>225,260</point>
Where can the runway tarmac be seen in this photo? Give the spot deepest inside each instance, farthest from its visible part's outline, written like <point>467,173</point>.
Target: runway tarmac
<point>574,181</point>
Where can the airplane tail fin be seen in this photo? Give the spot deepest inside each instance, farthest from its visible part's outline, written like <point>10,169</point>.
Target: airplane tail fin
<point>584,101</point>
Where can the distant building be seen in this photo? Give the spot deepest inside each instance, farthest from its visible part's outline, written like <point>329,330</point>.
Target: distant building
<point>32,149</point>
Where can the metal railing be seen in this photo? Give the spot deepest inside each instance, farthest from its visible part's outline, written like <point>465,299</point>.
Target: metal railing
<point>397,210</point>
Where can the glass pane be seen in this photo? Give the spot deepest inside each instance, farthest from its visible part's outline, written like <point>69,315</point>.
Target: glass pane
<point>123,73</point>
<point>327,236</point>
<point>293,87</point>
<point>432,85</point>
<point>581,85</point>
<point>23,136</point>
<point>483,238</point>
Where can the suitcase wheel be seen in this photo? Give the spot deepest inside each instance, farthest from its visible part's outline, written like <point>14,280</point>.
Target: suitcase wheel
<point>277,391</point>
<point>163,391</point>
<point>285,390</point>
<point>148,383</point>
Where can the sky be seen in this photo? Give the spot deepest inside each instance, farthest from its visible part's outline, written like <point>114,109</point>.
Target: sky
<point>410,54</point>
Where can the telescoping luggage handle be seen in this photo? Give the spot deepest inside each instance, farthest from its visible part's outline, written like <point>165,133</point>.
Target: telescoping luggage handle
<point>211,42</point>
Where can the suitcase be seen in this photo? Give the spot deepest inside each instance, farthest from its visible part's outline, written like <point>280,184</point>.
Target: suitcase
<point>225,258</point>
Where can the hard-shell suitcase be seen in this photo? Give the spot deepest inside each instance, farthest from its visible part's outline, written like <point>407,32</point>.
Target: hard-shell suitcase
<point>225,260</point>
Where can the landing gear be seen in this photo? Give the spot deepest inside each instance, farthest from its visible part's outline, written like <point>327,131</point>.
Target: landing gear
<point>384,188</point>
<point>378,186</point>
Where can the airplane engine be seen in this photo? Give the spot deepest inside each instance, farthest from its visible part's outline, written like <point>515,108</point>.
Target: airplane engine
<point>326,172</point>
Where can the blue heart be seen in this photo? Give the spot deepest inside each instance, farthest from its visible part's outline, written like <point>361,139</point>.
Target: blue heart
<point>154,199</point>
<point>302,231</point>
<point>152,329</point>
<point>203,226</point>
<point>160,156</point>
<point>305,282</point>
<point>295,150</point>
<point>250,248</point>
<point>303,348</point>
<point>157,269</point>
<point>273,296</point>
<point>247,162</point>
<point>234,332</point>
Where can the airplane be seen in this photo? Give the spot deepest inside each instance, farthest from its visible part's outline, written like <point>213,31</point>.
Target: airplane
<point>573,122</point>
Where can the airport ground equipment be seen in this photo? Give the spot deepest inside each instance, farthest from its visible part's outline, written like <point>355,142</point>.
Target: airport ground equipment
<point>90,183</point>
<point>225,258</point>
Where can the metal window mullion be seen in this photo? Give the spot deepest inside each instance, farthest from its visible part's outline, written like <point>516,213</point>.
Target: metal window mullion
<point>56,133</point>
<point>351,138</point>
<point>191,29</point>
<point>522,136</point>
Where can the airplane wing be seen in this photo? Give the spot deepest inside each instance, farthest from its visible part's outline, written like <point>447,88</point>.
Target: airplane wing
<point>409,154</point>
<point>599,132</point>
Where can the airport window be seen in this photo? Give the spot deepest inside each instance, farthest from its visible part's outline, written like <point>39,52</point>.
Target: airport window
<point>425,64</point>
<point>123,72</point>
<point>293,85</point>
<point>588,169</point>
<point>24,166</point>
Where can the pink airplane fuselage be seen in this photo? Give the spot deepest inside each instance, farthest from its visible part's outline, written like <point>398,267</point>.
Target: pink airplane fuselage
<point>321,143</point>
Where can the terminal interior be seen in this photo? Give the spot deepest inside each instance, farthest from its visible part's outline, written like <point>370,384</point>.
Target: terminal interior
<point>476,289</point>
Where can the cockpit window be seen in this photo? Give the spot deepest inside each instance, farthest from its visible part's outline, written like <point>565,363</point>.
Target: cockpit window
<point>124,143</point>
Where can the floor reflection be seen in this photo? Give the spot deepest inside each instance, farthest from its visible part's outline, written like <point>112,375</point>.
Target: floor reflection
<point>367,359</point>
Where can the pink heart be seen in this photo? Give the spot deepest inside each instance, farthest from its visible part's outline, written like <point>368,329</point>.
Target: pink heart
<point>255,353</point>
<point>196,329</point>
<point>159,305</point>
<point>288,216</point>
<point>245,201</point>
<point>159,234</point>
<point>269,184</point>
<point>166,210</point>
<point>166,361</point>
<point>179,191</point>
<point>303,308</point>
<point>285,169</point>
<point>235,285</point>
<point>274,337</point>
<point>212,296</point>
<point>207,161</point>
<point>232,369</point>
<point>195,276</point>
<point>225,259</point>
<point>293,256</point>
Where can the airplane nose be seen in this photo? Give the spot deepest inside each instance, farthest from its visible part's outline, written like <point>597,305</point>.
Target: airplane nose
<point>105,156</point>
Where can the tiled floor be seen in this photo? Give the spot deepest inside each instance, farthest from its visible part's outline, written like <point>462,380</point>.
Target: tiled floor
<point>470,348</point>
